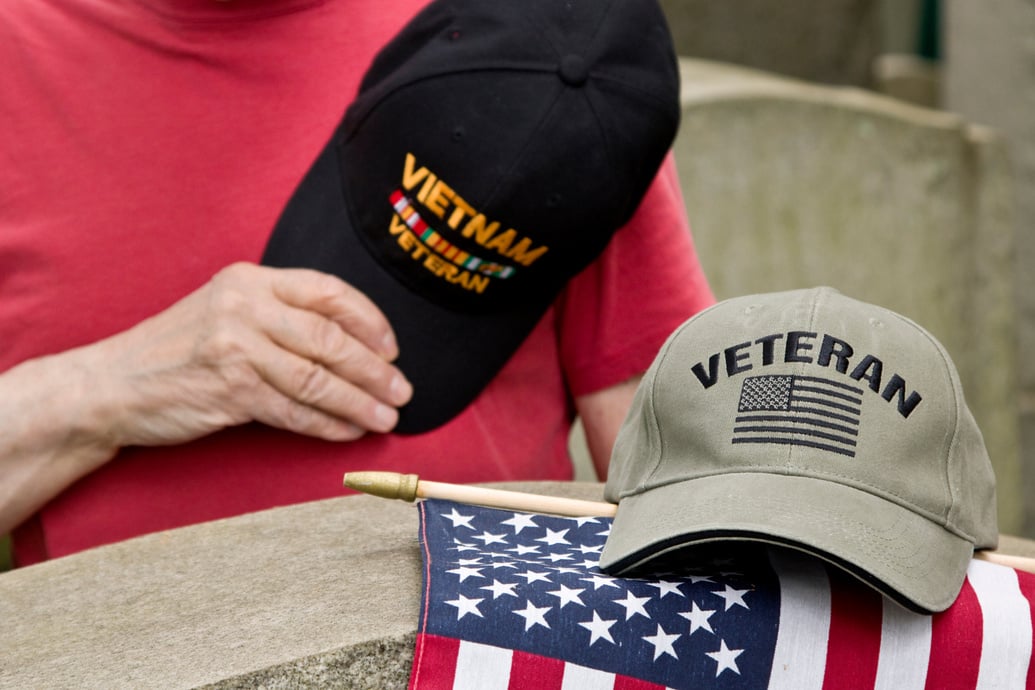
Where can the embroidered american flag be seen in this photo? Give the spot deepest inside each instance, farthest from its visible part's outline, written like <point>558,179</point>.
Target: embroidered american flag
<point>516,600</point>
<point>799,410</point>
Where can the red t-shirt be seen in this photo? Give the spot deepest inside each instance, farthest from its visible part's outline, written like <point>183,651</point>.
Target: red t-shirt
<point>145,144</point>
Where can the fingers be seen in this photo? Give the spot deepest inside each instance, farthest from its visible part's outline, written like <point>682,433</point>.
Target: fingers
<point>347,382</point>
<point>335,299</point>
<point>283,412</point>
<point>322,341</point>
<point>325,348</point>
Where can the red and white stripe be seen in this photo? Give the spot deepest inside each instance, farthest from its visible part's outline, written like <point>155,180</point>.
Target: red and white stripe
<point>443,662</point>
<point>833,635</point>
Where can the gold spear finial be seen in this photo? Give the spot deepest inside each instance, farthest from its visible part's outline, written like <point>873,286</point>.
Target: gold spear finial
<point>384,484</point>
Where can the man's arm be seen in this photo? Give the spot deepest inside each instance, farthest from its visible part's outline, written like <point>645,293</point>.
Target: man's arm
<point>291,348</point>
<point>602,414</point>
<point>619,311</point>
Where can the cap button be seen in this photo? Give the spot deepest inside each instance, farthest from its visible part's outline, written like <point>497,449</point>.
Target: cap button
<point>573,70</point>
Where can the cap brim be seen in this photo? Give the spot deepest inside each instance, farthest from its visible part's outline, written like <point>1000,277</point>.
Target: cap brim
<point>448,356</point>
<point>911,559</point>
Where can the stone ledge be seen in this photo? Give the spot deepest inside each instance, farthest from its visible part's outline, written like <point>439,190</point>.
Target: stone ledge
<point>378,665</point>
<point>322,594</point>
<point>708,82</point>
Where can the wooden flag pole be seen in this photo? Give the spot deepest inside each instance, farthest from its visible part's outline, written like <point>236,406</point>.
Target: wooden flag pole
<point>409,487</point>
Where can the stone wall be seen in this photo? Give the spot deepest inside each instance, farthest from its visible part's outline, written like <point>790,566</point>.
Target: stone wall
<point>989,77</point>
<point>827,41</point>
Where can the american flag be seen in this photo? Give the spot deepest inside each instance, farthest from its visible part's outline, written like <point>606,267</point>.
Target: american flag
<point>799,410</point>
<point>516,600</point>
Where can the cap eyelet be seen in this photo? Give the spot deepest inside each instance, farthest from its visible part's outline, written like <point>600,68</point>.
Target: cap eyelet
<point>573,70</point>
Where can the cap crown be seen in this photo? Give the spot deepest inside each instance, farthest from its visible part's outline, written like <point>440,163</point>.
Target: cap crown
<point>814,384</point>
<point>495,147</point>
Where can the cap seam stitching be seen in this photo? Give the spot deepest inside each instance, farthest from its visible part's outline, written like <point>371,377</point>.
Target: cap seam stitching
<point>656,427</point>
<point>637,90</point>
<point>957,423</point>
<point>520,157</point>
<point>544,30</point>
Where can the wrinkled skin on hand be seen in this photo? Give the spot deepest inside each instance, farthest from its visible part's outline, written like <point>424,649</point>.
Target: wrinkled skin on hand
<point>292,348</point>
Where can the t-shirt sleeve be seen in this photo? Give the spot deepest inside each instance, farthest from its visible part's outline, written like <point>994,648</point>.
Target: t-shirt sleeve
<point>615,315</point>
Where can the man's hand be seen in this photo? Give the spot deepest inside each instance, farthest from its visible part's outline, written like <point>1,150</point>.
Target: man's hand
<point>292,348</point>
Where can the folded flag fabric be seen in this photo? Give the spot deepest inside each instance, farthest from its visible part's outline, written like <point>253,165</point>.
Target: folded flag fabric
<point>516,600</point>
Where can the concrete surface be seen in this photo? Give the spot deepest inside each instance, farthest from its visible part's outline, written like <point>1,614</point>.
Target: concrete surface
<point>989,77</point>
<point>826,41</point>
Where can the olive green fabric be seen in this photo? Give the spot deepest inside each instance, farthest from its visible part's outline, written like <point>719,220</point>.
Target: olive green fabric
<point>811,420</point>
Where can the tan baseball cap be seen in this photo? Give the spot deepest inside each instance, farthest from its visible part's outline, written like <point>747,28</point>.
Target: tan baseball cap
<point>809,420</point>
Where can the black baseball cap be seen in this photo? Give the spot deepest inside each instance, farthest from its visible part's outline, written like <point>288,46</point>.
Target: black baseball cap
<point>492,151</point>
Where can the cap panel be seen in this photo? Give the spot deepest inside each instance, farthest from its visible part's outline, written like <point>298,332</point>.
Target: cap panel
<point>973,485</point>
<point>699,386</point>
<point>972,480</point>
<point>638,446</point>
<point>908,407</point>
<point>452,37</point>
<point>624,58</point>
